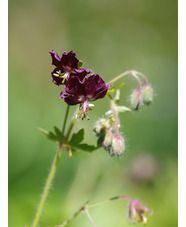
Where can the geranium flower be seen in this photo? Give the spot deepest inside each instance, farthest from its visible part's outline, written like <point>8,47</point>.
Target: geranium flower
<point>66,66</point>
<point>136,206</point>
<point>83,92</point>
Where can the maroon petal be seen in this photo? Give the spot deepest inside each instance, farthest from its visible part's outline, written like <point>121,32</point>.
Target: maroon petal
<point>75,87</point>
<point>69,99</point>
<point>70,60</point>
<point>95,87</point>
<point>55,59</point>
<point>81,73</point>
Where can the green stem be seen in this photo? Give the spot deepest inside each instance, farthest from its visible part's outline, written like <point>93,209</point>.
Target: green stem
<point>52,170</point>
<point>130,72</point>
<point>73,216</point>
<point>65,121</point>
<point>89,217</point>
<point>119,77</point>
<point>114,110</point>
<point>133,73</point>
<point>47,187</point>
<point>142,75</point>
<point>71,126</point>
<point>85,208</point>
<point>108,200</point>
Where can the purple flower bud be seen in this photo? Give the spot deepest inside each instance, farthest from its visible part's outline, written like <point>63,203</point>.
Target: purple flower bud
<point>118,145</point>
<point>147,94</point>
<point>136,99</point>
<point>136,206</point>
<point>66,66</point>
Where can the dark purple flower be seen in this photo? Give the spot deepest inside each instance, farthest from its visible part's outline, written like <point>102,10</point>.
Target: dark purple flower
<point>66,66</point>
<point>83,92</point>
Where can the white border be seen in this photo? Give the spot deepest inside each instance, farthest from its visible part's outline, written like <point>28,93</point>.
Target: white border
<point>4,113</point>
<point>181,110</point>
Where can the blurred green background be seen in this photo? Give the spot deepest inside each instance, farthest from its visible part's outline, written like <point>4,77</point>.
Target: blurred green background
<point>110,37</point>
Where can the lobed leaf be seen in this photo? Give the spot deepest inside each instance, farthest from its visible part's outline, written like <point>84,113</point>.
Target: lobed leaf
<point>77,137</point>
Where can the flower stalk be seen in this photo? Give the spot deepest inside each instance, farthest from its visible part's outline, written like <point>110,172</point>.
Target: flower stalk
<point>134,206</point>
<point>53,168</point>
<point>47,187</point>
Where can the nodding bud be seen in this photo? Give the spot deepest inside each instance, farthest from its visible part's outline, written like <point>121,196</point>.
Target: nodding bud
<point>118,145</point>
<point>147,94</point>
<point>136,99</point>
<point>108,139</point>
<point>101,126</point>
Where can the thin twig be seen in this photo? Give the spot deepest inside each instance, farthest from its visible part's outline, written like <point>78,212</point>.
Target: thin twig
<point>89,217</point>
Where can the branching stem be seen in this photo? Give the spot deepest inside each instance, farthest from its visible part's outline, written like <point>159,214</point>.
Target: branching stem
<point>130,72</point>
<point>85,208</point>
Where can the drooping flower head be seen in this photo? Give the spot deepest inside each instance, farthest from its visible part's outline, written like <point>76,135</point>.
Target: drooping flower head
<point>136,206</point>
<point>84,91</point>
<point>66,66</point>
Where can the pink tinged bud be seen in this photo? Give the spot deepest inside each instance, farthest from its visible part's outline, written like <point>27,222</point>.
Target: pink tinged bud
<point>118,145</point>
<point>136,99</point>
<point>136,207</point>
<point>147,94</point>
<point>108,139</point>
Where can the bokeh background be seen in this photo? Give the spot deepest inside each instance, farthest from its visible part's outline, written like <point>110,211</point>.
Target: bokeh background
<point>110,37</point>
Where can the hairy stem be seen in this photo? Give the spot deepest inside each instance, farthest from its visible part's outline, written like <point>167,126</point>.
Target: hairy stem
<point>53,169</point>
<point>115,113</point>
<point>47,187</point>
<point>73,216</point>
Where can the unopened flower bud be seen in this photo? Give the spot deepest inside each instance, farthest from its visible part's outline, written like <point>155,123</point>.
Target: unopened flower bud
<point>108,139</point>
<point>101,126</point>
<point>118,145</point>
<point>147,94</point>
<point>136,99</point>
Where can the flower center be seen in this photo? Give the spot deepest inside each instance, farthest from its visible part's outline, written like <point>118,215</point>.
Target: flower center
<point>84,107</point>
<point>61,75</point>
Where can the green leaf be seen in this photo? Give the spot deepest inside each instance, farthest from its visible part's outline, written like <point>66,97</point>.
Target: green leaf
<point>58,133</point>
<point>100,140</point>
<point>57,136</point>
<point>122,109</point>
<point>76,144</point>
<point>77,138</point>
<point>85,147</point>
<point>52,136</point>
<point>113,89</point>
<point>49,135</point>
<point>80,63</point>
